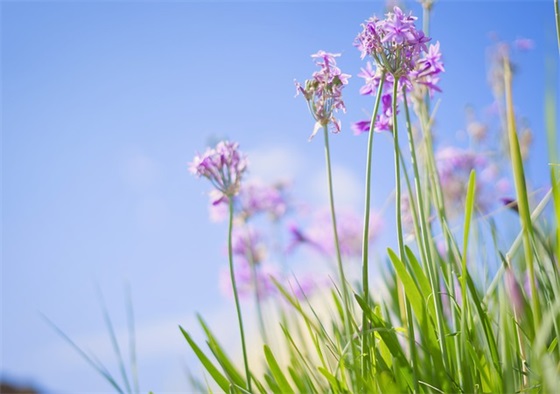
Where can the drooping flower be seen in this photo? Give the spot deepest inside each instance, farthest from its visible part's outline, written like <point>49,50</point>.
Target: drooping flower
<point>360,127</point>
<point>323,92</point>
<point>223,166</point>
<point>383,121</point>
<point>427,70</point>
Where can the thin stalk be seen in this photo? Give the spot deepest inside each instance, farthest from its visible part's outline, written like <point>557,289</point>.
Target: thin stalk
<point>400,237</point>
<point>235,295</point>
<point>365,239</point>
<point>132,340</point>
<point>521,189</point>
<point>425,236</point>
<point>345,294</point>
<point>407,320</point>
<point>258,302</point>
<point>253,263</point>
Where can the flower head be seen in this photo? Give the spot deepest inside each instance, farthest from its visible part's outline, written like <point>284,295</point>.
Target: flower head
<point>223,166</point>
<point>394,42</point>
<point>323,91</point>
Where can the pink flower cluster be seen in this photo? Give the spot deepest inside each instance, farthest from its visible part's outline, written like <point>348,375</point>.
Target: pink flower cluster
<point>223,166</point>
<point>399,51</point>
<point>394,42</point>
<point>323,91</point>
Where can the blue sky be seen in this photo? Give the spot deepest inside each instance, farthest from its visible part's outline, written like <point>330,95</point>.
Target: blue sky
<point>105,103</point>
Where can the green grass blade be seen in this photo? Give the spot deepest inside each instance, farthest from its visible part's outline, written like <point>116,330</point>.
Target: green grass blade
<point>97,366</point>
<point>132,340</point>
<point>208,365</point>
<point>114,342</point>
<point>387,334</point>
<point>221,356</point>
<point>276,371</point>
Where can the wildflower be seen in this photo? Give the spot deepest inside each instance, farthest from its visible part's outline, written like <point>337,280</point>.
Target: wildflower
<point>248,278</point>
<point>256,197</point>
<point>360,127</point>
<point>402,57</point>
<point>323,91</point>
<point>523,44</point>
<point>246,243</point>
<point>304,286</point>
<point>394,43</point>
<point>349,227</point>
<point>427,70</point>
<point>223,166</point>
<point>454,167</point>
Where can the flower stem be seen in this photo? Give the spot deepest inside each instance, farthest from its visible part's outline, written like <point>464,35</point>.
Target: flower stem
<point>345,294</point>
<point>425,234</point>
<point>235,295</point>
<point>406,312</point>
<point>365,240</point>
<point>521,190</point>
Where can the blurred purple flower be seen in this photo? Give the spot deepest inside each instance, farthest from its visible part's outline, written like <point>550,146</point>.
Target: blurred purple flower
<point>360,127</point>
<point>524,44</point>
<point>514,292</point>
<point>248,278</point>
<point>323,92</point>
<point>256,197</point>
<point>246,243</point>
<point>454,166</point>
<point>350,231</point>
<point>304,286</point>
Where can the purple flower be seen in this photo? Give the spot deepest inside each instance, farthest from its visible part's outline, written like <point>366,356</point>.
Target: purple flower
<point>360,127</point>
<point>454,166</point>
<point>394,43</point>
<point>256,197</point>
<point>304,286</point>
<point>524,44</point>
<point>223,165</point>
<point>323,92</point>
<point>246,243</point>
<point>248,279</point>
<point>397,47</point>
<point>428,68</point>
<point>319,235</point>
